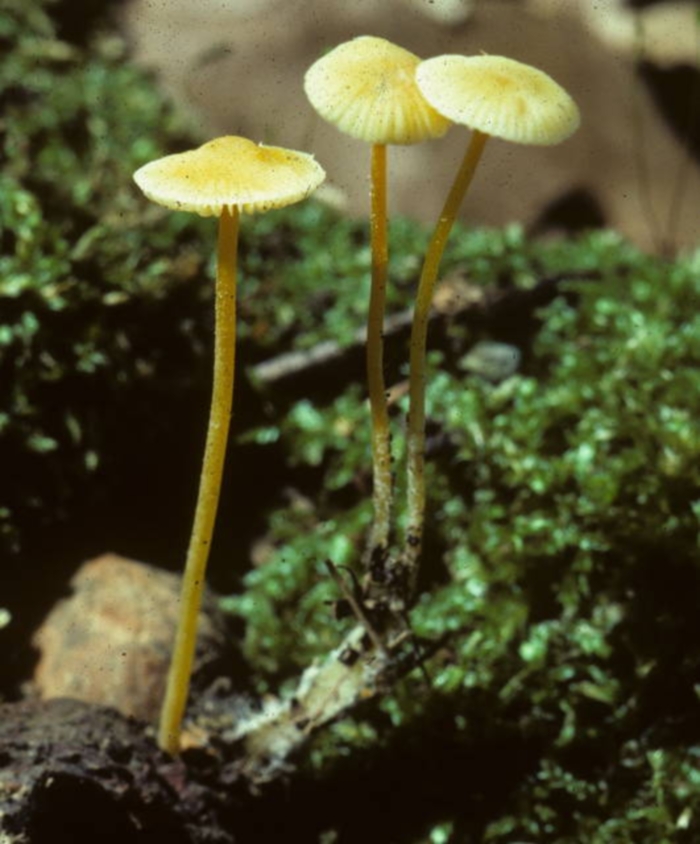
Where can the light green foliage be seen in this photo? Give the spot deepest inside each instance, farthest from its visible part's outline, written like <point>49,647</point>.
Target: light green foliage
<point>565,510</point>
<point>106,298</point>
<point>78,277</point>
<point>309,261</point>
<point>292,591</point>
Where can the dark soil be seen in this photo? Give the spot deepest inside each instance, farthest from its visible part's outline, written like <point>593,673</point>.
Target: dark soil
<point>74,772</point>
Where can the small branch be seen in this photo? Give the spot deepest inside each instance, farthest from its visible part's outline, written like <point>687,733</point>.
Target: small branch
<point>287,365</point>
<point>455,296</point>
<point>356,607</point>
<point>455,299</point>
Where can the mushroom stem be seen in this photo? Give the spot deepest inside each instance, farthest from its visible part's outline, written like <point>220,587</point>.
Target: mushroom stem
<point>416,413</point>
<point>381,439</point>
<point>178,681</point>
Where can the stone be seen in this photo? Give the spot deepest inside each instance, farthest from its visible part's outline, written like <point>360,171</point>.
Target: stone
<point>109,642</point>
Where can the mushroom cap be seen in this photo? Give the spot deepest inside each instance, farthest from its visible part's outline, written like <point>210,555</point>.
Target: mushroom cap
<point>499,97</point>
<point>230,171</point>
<point>367,88</point>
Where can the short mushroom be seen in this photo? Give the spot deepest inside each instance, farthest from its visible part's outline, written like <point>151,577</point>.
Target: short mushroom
<point>496,97</point>
<point>222,178</point>
<point>366,88</point>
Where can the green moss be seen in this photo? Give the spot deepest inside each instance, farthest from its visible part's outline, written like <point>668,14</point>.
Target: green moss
<point>289,596</point>
<point>105,325</point>
<point>76,271</point>
<point>565,511</point>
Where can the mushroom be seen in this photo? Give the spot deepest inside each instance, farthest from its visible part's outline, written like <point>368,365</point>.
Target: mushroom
<point>496,97</point>
<point>222,178</point>
<point>366,88</point>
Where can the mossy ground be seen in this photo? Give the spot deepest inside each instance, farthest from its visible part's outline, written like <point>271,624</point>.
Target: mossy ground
<point>561,584</point>
<point>562,581</point>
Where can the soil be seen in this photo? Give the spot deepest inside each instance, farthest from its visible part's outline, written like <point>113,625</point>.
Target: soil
<point>71,771</point>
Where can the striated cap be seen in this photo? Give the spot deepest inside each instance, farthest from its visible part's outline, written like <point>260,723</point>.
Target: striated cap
<point>367,88</point>
<point>230,171</point>
<point>499,97</point>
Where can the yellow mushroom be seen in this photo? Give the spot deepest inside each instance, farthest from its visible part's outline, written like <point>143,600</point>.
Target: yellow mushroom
<point>222,178</point>
<point>366,88</point>
<point>495,97</point>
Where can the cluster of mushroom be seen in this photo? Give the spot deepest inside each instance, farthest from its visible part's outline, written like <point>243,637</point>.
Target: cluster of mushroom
<point>381,94</point>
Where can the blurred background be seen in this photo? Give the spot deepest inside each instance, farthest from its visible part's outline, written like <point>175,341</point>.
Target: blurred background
<point>631,66</point>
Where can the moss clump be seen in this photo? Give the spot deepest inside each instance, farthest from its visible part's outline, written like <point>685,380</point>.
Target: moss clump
<point>79,281</point>
<point>562,585</point>
<point>106,300</point>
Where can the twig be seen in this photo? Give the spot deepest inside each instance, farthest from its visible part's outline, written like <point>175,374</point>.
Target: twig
<point>455,296</point>
<point>455,299</point>
<point>357,608</point>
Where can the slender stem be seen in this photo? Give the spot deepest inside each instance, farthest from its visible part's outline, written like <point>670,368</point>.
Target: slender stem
<point>416,414</point>
<point>381,440</point>
<point>209,487</point>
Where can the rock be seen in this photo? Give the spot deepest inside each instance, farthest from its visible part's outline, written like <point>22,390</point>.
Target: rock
<point>109,642</point>
<point>493,361</point>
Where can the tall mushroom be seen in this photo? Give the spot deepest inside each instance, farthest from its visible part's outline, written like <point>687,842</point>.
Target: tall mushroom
<point>366,88</point>
<point>495,97</point>
<point>222,178</point>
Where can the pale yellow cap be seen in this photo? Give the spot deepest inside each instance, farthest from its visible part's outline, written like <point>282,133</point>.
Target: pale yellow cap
<point>367,88</point>
<point>499,97</point>
<point>227,172</point>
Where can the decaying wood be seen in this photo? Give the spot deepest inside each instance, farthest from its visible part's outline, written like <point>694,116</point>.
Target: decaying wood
<point>64,759</point>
